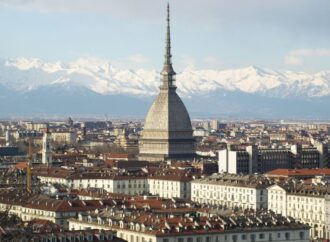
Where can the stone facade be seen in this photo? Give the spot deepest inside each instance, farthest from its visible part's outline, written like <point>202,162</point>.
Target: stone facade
<point>305,203</point>
<point>167,130</point>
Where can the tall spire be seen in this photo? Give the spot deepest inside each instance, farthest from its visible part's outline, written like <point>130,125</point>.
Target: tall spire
<point>168,73</point>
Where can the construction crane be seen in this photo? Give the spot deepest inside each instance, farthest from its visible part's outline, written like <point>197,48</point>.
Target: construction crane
<point>28,169</point>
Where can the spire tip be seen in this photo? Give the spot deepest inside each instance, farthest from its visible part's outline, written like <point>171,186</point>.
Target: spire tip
<point>168,72</point>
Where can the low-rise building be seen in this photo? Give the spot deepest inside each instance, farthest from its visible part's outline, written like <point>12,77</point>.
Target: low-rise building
<point>30,206</point>
<point>164,184</point>
<point>172,185</point>
<point>306,203</point>
<point>68,137</point>
<point>231,191</point>
<point>141,227</point>
<point>22,235</point>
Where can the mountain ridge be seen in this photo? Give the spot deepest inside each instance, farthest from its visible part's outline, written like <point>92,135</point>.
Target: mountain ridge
<point>104,78</point>
<point>95,86</point>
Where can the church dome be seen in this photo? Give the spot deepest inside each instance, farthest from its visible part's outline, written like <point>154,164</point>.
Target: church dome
<point>168,113</point>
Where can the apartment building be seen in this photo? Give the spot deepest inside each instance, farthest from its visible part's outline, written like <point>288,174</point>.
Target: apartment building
<point>253,159</point>
<point>232,191</point>
<point>31,206</point>
<point>307,203</point>
<point>164,184</point>
<point>142,227</point>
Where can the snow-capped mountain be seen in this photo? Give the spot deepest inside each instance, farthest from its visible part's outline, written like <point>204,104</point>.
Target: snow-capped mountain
<point>208,92</point>
<point>101,77</point>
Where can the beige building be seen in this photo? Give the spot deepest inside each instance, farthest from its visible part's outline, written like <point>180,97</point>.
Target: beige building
<point>68,137</point>
<point>36,126</point>
<point>29,207</point>
<point>166,186</point>
<point>231,191</point>
<point>140,227</point>
<point>214,124</point>
<point>306,203</point>
<point>170,186</point>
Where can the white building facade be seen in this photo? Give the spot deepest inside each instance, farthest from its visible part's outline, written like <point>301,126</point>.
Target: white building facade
<point>232,191</point>
<point>160,230</point>
<point>47,149</point>
<point>303,204</point>
<point>163,186</point>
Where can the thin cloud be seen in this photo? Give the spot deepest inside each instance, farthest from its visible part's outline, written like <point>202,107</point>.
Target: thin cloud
<point>212,62</point>
<point>294,58</point>
<point>138,59</point>
<point>290,60</point>
<point>187,61</point>
<point>310,52</point>
<point>193,62</point>
<point>312,15</point>
<point>114,8</point>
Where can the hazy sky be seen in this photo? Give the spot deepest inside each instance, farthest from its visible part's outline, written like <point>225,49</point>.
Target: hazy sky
<point>276,34</point>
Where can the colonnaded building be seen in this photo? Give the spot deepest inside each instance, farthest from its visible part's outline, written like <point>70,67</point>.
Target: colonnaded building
<point>167,130</point>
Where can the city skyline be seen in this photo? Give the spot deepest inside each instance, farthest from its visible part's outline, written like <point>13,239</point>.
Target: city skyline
<point>219,156</point>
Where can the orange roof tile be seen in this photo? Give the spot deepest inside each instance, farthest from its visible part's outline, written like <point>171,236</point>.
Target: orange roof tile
<point>20,165</point>
<point>299,172</point>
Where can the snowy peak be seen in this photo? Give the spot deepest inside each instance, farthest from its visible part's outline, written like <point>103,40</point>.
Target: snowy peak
<point>24,63</point>
<point>101,76</point>
<point>33,63</point>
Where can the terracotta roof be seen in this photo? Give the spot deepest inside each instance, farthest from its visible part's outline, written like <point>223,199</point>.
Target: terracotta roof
<point>252,181</point>
<point>46,203</point>
<point>20,165</point>
<point>41,225</point>
<point>299,172</point>
<point>120,156</point>
<point>184,225</point>
<point>305,189</point>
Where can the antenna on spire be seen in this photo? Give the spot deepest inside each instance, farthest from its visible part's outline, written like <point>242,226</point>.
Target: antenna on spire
<point>168,54</point>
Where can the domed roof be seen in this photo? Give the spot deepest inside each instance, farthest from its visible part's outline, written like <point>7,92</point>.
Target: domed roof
<point>167,113</point>
<point>167,129</point>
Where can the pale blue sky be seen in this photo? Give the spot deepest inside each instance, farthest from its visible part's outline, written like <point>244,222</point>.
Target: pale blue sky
<point>276,34</point>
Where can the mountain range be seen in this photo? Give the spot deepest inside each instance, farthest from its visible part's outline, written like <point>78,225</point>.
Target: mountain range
<point>91,86</point>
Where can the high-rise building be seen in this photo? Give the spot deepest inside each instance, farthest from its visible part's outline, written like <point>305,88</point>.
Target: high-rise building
<point>253,159</point>
<point>167,130</point>
<point>238,161</point>
<point>46,148</point>
<point>214,124</point>
<point>8,138</point>
<point>323,149</point>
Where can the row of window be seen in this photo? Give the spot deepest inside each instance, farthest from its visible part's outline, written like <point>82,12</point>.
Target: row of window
<point>225,188</point>
<point>224,196</point>
<point>234,238</point>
